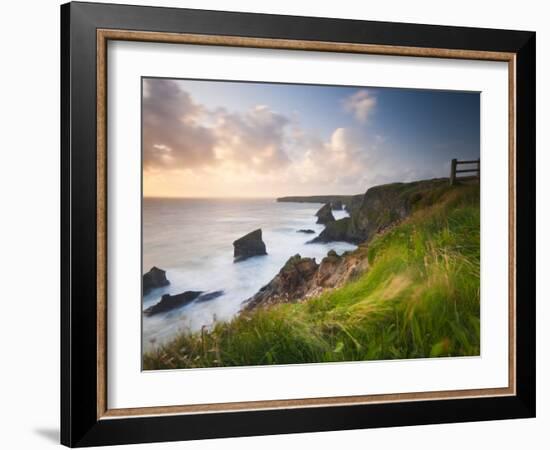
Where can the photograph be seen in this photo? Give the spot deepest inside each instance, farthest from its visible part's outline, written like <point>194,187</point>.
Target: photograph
<point>276,223</point>
<point>295,223</point>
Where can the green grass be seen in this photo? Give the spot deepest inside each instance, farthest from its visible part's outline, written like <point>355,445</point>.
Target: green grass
<point>419,298</point>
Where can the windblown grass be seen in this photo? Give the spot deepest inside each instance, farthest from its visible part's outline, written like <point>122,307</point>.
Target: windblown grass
<point>419,298</point>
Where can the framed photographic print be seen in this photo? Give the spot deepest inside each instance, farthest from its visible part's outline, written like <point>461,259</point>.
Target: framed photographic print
<point>276,224</point>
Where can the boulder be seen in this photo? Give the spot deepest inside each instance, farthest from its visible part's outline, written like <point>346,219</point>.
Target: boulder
<point>249,245</point>
<point>324,215</point>
<point>305,231</point>
<point>153,279</point>
<point>169,302</point>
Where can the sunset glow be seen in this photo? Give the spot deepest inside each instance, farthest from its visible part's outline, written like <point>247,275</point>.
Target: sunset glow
<point>235,139</point>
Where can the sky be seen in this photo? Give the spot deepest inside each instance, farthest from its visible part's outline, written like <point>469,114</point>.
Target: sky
<point>243,139</point>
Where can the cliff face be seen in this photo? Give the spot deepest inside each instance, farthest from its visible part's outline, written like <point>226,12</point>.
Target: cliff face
<point>380,207</point>
<point>324,215</point>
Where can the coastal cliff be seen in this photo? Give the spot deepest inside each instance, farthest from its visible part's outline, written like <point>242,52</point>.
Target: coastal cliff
<point>381,207</point>
<point>302,278</point>
<point>410,290</point>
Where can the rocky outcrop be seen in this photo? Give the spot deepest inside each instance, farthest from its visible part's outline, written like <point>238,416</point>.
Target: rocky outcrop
<point>302,278</point>
<point>153,279</point>
<point>292,282</point>
<point>308,231</point>
<point>336,205</point>
<point>380,208</point>
<point>249,245</point>
<point>169,302</point>
<point>335,270</point>
<point>324,215</point>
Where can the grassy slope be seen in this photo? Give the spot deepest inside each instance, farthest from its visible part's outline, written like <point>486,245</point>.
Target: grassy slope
<point>419,298</point>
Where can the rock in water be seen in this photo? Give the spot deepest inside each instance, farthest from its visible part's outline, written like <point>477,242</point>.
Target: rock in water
<point>210,296</point>
<point>169,302</point>
<point>155,278</point>
<point>335,231</point>
<point>307,231</point>
<point>249,245</point>
<point>336,205</point>
<point>324,215</point>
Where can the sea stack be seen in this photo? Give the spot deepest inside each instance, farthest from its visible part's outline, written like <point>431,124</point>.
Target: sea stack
<point>155,278</point>
<point>249,245</point>
<point>324,215</point>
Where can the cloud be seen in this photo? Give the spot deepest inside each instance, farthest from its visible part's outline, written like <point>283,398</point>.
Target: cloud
<point>254,139</point>
<point>172,136</point>
<point>361,105</point>
<point>256,152</point>
<point>181,134</point>
<point>342,163</point>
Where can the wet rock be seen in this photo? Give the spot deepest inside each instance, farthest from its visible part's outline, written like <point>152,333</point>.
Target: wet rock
<point>169,302</point>
<point>153,279</point>
<point>305,231</point>
<point>210,296</point>
<point>249,245</point>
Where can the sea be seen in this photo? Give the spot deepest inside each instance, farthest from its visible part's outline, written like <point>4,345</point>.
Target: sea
<point>192,240</point>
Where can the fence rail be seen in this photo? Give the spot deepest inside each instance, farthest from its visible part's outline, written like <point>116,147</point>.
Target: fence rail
<point>455,163</point>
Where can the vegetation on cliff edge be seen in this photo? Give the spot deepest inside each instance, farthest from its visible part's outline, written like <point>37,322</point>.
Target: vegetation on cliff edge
<point>419,298</point>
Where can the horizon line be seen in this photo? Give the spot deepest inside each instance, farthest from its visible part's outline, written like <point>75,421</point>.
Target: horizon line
<point>242,198</point>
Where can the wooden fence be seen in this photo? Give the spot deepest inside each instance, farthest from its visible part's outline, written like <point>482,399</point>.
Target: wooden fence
<point>454,169</point>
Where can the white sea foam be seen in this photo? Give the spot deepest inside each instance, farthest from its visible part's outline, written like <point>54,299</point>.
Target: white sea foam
<point>192,240</point>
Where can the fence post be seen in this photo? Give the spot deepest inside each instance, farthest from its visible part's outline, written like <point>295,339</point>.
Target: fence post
<point>452,177</point>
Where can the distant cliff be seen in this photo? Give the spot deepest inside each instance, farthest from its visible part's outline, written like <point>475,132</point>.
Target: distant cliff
<point>345,199</point>
<point>381,207</point>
